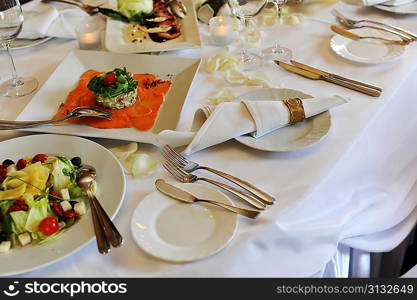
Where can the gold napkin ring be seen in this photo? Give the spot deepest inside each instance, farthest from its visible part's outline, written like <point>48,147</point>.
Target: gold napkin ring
<point>296,109</point>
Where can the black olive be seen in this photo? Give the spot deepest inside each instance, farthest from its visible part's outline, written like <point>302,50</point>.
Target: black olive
<point>73,203</point>
<point>76,161</point>
<point>8,162</point>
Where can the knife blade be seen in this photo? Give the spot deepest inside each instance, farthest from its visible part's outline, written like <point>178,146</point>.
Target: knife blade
<point>179,194</point>
<point>324,73</point>
<point>314,76</point>
<point>173,191</point>
<point>354,36</point>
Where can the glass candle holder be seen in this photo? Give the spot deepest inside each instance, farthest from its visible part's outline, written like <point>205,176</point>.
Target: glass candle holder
<point>89,35</point>
<point>221,30</point>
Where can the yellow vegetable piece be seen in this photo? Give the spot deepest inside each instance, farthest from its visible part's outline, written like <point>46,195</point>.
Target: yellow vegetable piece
<point>13,193</point>
<point>38,175</point>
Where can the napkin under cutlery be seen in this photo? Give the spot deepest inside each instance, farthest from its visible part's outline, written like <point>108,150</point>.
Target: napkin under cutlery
<point>385,2</point>
<point>42,19</point>
<point>216,124</point>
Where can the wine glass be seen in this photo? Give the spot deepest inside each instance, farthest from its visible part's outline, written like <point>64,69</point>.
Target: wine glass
<point>277,52</point>
<point>245,10</point>
<point>11,22</point>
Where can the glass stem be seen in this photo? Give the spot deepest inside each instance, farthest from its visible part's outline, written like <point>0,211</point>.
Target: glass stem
<point>279,15</point>
<point>15,78</point>
<point>245,39</point>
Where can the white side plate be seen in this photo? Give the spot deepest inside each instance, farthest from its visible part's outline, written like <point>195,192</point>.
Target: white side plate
<point>111,185</point>
<point>288,138</point>
<point>176,231</point>
<point>368,51</point>
<point>409,8</point>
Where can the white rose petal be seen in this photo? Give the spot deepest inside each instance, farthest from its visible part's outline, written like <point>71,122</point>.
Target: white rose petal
<point>124,151</point>
<point>141,164</point>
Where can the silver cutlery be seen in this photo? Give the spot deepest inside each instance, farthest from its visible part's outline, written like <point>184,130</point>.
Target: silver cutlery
<point>354,36</point>
<point>187,165</point>
<point>320,76</point>
<point>91,10</point>
<point>355,23</point>
<point>186,177</point>
<point>347,24</point>
<point>79,112</point>
<point>185,196</point>
<point>324,73</point>
<point>106,233</point>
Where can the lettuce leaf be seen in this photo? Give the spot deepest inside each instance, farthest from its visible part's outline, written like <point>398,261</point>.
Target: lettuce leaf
<point>19,219</point>
<point>37,212</point>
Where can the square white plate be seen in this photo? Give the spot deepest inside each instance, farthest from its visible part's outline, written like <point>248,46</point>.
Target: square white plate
<point>45,103</point>
<point>190,37</point>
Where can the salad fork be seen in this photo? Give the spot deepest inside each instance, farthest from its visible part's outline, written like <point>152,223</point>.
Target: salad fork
<point>355,24</point>
<point>79,112</point>
<point>349,25</point>
<point>186,177</point>
<point>189,166</point>
<point>91,10</point>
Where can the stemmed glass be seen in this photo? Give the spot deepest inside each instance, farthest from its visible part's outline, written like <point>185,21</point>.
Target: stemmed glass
<point>245,10</point>
<point>277,51</point>
<point>11,22</point>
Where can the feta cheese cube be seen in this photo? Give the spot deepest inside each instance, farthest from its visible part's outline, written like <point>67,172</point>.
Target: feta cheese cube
<point>80,208</point>
<point>24,239</point>
<point>66,205</point>
<point>65,194</point>
<point>5,246</point>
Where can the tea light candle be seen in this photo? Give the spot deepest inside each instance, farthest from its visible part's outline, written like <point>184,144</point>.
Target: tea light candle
<point>221,30</point>
<point>88,35</point>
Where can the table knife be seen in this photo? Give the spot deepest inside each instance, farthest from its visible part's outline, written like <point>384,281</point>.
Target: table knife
<point>179,194</point>
<point>354,36</point>
<point>326,74</point>
<point>314,76</point>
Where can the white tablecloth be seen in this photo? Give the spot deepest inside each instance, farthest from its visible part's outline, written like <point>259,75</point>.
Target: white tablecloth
<point>356,188</point>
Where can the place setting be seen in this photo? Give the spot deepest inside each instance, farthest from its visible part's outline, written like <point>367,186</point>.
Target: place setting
<point>369,41</point>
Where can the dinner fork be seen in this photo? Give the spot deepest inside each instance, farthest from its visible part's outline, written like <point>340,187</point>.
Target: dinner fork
<point>349,25</point>
<point>182,162</point>
<point>354,24</point>
<point>186,177</point>
<point>91,10</point>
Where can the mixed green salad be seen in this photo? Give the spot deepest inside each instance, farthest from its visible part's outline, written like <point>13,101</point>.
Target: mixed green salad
<point>39,199</point>
<point>115,89</point>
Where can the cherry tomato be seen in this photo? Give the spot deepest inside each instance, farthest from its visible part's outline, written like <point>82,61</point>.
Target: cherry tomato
<point>57,208</point>
<point>39,157</point>
<point>49,226</point>
<point>109,79</point>
<point>21,164</point>
<point>70,214</point>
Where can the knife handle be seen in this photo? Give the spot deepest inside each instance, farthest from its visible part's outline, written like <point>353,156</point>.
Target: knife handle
<point>352,86</point>
<point>356,82</point>
<point>265,197</point>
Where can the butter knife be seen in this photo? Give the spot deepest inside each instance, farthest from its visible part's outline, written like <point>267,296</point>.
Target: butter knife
<point>354,36</point>
<point>314,76</point>
<point>179,194</point>
<point>326,74</point>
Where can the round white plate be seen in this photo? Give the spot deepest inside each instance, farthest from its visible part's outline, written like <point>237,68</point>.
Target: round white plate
<point>409,8</point>
<point>175,231</point>
<point>369,51</point>
<point>288,138</point>
<point>111,184</point>
<point>18,44</point>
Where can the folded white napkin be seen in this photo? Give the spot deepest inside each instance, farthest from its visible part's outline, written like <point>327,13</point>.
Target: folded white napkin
<point>385,2</point>
<point>214,125</point>
<point>41,19</point>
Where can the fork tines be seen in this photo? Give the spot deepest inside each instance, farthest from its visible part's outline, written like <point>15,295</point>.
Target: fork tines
<point>175,171</point>
<point>170,154</point>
